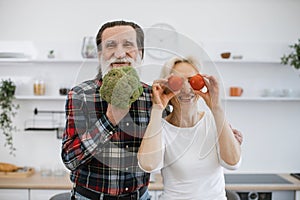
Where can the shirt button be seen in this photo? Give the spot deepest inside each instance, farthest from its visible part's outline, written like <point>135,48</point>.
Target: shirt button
<point>111,132</point>
<point>126,189</point>
<point>127,124</point>
<point>126,170</point>
<point>126,146</point>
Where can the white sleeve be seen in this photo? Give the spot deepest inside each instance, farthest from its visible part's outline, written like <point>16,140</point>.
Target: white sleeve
<point>226,165</point>
<point>161,164</point>
<point>222,162</point>
<point>230,167</point>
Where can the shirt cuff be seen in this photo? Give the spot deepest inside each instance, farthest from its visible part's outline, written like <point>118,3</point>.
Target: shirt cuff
<point>106,127</point>
<point>231,167</point>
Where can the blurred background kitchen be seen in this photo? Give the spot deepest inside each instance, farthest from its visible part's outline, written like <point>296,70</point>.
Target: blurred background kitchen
<point>41,43</point>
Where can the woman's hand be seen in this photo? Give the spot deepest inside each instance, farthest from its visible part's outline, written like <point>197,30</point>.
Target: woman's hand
<point>211,96</point>
<point>159,95</point>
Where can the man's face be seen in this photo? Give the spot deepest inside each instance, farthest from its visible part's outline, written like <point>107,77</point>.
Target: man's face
<point>119,48</point>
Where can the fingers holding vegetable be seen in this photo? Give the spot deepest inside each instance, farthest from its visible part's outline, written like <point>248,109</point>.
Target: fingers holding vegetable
<point>197,82</point>
<point>116,114</point>
<point>212,85</point>
<point>121,87</point>
<point>211,96</point>
<point>175,83</point>
<point>159,94</point>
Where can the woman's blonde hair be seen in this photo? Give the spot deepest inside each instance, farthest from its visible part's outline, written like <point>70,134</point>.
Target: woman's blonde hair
<point>169,65</point>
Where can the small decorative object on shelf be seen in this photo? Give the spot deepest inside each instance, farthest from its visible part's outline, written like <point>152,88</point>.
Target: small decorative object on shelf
<point>235,91</point>
<point>237,57</point>
<point>225,55</point>
<point>293,58</point>
<point>63,91</point>
<point>8,111</point>
<point>51,54</point>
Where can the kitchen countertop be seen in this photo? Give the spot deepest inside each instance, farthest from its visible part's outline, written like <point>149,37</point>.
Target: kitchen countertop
<point>36,181</point>
<point>293,185</point>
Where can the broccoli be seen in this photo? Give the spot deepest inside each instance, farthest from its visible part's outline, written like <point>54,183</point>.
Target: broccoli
<point>121,87</point>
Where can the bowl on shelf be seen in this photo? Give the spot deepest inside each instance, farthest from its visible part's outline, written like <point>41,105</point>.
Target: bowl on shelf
<point>225,55</point>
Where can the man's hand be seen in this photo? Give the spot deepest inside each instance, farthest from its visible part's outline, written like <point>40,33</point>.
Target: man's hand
<point>115,114</point>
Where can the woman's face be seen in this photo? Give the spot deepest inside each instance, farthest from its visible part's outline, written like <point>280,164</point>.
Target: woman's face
<point>186,94</point>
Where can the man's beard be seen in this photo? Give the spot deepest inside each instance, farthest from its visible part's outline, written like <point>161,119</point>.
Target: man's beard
<point>105,65</point>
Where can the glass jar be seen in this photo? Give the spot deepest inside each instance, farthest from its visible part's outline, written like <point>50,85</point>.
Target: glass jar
<point>39,87</point>
<point>89,48</point>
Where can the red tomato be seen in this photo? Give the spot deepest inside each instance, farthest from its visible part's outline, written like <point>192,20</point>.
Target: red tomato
<point>175,83</point>
<point>197,82</point>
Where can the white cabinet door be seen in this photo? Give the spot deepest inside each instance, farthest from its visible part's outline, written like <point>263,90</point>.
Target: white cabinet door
<point>18,194</point>
<point>44,194</point>
<point>297,195</point>
<point>152,194</point>
<point>158,193</point>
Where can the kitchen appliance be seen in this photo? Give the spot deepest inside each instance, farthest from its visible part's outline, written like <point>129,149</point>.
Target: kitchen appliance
<point>296,175</point>
<point>260,179</point>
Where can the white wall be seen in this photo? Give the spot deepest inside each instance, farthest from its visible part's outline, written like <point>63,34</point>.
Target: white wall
<point>258,29</point>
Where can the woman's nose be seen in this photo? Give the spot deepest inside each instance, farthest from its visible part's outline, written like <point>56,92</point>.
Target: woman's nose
<point>186,88</point>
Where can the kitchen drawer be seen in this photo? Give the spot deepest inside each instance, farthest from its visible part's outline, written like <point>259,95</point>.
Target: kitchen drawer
<point>36,194</point>
<point>9,194</point>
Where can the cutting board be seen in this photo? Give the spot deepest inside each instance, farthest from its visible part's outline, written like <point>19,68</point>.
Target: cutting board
<point>22,172</point>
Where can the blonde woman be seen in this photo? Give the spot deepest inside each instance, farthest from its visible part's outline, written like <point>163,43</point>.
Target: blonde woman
<point>190,146</point>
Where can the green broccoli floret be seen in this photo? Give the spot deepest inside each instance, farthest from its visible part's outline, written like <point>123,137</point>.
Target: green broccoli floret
<point>121,87</point>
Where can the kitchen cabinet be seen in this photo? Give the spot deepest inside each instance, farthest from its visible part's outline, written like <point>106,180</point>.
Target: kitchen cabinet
<point>38,194</point>
<point>38,187</point>
<point>43,194</point>
<point>9,194</point>
<point>153,195</point>
<point>28,194</point>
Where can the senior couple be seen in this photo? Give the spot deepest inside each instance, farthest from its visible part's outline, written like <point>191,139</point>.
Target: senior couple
<point>111,151</point>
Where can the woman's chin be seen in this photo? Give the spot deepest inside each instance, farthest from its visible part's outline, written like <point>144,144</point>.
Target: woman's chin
<point>186,100</point>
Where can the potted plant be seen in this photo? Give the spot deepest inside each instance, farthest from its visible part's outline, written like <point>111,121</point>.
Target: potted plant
<point>51,54</point>
<point>293,58</point>
<point>7,112</point>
